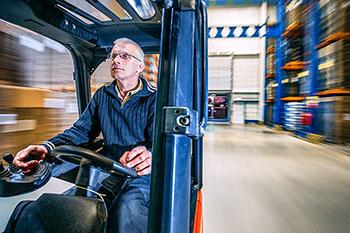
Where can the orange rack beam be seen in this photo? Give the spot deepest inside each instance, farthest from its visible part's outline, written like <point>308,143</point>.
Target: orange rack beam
<point>294,65</point>
<point>293,98</point>
<point>294,26</point>
<point>336,91</point>
<point>334,37</point>
<point>270,49</point>
<point>292,29</point>
<point>269,101</point>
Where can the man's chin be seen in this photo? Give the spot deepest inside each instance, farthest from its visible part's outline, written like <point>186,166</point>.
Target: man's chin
<point>118,78</point>
<point>117,75</point>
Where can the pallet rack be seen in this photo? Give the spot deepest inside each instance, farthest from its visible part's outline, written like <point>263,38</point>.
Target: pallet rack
<point>306,72</point>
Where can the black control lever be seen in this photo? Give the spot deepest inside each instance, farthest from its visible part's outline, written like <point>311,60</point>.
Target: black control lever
<point>8,157</point>
<point>14,182</point>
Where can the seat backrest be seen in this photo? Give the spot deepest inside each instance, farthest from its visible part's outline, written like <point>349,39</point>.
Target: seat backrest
<point>53,213</point>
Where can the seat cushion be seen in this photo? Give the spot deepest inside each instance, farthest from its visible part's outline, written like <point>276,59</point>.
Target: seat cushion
<point>54,213</point>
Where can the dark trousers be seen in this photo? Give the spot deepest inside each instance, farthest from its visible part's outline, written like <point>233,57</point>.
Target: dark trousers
<point>128,211</point>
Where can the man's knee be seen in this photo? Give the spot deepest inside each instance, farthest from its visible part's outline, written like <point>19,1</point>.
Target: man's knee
<point>129,213</point>
<point>127,206</point>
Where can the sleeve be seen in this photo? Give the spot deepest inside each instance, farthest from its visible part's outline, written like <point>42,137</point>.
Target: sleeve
<point>83,131</point>
<point>150,122</point>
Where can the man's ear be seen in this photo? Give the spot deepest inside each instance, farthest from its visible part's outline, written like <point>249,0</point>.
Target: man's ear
<point>141,66</point>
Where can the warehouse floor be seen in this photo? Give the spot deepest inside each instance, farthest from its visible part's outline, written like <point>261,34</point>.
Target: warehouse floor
<point>260,181</point>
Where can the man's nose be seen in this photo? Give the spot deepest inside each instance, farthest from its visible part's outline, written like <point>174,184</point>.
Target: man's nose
<point>117,59</point>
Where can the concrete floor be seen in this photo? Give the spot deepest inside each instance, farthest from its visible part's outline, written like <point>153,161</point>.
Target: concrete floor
<point>260,181</point>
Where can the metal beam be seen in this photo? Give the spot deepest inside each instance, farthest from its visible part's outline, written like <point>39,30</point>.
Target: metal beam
<point>171,167</point>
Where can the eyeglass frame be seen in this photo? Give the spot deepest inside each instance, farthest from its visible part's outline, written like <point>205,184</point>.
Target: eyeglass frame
<point>118,54</point>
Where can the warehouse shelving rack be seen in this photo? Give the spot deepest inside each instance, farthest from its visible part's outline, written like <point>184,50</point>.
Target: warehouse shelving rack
<point>308,68</point>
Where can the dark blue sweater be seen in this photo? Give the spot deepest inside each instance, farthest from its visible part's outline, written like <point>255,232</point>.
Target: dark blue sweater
<point>123,126</point>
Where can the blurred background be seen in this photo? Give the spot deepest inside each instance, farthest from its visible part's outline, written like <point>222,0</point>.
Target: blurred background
<point>279,71</point>
<point>37,91</point>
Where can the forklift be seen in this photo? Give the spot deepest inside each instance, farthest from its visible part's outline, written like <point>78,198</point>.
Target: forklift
<point>177,31</point>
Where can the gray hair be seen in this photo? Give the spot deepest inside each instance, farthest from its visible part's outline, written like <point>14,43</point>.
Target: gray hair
<point>128,41</point>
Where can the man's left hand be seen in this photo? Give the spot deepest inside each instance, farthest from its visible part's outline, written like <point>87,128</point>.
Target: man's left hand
<point>138,158</point>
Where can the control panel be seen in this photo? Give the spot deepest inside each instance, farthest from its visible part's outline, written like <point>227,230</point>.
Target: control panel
<point>14,182</point>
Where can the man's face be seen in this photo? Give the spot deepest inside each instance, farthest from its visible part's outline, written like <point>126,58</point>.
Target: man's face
<point>127,62</point>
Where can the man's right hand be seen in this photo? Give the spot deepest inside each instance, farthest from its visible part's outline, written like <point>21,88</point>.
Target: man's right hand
<point>38,152</point>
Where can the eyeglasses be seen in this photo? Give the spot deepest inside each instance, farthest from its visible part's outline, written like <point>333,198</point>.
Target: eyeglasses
<point>122,55</point>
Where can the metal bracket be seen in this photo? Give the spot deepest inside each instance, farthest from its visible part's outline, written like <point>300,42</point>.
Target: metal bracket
<point>187,4</point>
<point>182,120</point>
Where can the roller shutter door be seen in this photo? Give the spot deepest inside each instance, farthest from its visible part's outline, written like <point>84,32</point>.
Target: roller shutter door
<point>246,87</point>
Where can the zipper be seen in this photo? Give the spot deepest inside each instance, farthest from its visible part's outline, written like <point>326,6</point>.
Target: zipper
<point>124,101</point>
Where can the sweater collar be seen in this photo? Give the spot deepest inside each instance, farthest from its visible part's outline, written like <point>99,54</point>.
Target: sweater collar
<point>129,93</point>
<point>147,89</point>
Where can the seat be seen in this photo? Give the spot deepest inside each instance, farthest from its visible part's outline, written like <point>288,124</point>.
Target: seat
<point>55,213</point>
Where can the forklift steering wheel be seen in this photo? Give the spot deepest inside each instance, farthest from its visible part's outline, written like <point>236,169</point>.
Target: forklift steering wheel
<point>75,154</point>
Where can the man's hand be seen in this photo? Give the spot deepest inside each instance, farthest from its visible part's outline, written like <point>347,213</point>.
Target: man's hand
<point>38,152</point>
<point>139,158</point>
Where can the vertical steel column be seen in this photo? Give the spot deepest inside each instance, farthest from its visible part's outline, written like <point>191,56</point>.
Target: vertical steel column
<point>157,182</point>
<point>314,52</point>
<point>315,11</point>
<point>170,188</point>
<point>279,63</point>
<point>200,93</point>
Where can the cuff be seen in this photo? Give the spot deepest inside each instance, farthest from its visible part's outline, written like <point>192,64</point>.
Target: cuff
<point>49,146</point>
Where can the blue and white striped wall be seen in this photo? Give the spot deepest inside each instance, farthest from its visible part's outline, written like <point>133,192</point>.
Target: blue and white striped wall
<point>237,31</point>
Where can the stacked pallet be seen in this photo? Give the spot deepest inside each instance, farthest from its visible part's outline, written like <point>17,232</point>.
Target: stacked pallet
<point>291,84</point>
<point>294,48</point>
<point>304,82</point>
<point>270,89</point>
<point>294,12</point>
<point>334,65</point>
<point>10,65</point>
<point>293,43</point>
<point>292,119</point>
<point>334,17</point>
<point>271,64</point>
<point>270,58</point>
<point>333,115</point>
<point>333,118</point>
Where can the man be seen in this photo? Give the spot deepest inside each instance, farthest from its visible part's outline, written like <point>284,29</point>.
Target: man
<point>124,112</point>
